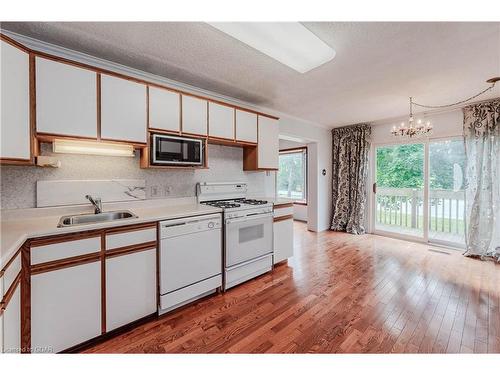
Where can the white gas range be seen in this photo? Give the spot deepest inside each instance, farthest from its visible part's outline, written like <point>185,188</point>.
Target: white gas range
<point>248,230</point>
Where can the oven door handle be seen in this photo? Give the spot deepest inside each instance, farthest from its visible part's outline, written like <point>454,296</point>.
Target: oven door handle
<point>249,218</point>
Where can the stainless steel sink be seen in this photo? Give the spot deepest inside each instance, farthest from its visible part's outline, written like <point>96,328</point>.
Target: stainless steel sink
<point>71,220</point>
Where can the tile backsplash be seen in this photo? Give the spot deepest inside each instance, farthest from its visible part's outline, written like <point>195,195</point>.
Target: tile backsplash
<point>18,183</point>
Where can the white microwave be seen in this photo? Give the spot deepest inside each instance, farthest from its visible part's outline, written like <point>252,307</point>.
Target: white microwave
<point>172,150</point>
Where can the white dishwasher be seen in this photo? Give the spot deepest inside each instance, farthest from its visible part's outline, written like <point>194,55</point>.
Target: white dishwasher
<point>190,259</point>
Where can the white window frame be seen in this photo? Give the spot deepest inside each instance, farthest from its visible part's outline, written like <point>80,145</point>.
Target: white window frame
<point>296,150</point>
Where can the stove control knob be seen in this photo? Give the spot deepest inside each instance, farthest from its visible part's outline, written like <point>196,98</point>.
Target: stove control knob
<point>211,224</point>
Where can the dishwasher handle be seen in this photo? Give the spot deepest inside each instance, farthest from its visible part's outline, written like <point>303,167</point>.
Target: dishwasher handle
<point>185,226</point>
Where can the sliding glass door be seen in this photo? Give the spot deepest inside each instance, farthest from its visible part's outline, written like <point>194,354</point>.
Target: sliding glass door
<point>399,198</point>
<point>446,192</point>
<point>418,191</point>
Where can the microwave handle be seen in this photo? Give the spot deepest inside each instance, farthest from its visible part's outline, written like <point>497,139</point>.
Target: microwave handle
<point>249,218</point>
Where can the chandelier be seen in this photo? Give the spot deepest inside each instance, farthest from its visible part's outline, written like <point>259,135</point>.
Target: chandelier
<point>421,128</point>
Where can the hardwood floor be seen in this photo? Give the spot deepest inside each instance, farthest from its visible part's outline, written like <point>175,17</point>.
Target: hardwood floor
<point>340,294</point>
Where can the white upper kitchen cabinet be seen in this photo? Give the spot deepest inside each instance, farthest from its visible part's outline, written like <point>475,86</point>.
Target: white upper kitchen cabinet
<point>164,109</point>
<point>194,115</point>
<point>15,103</point>
<point>66,99</point>
<point>123,110</point>
<point>220,121</point>
<point>66,306</point>
<point>130,288</point>
<point>246,126</point>
<point>268,143</point>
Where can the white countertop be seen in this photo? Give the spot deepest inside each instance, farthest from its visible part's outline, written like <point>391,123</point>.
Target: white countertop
<point>16,226</point>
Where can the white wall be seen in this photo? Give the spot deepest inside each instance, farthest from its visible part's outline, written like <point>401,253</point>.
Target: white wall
<point>285,144</point>
<point>319,154</point>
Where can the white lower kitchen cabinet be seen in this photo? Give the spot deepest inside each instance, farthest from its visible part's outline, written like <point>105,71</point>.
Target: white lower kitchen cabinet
<point>65,307</point>
<point>283,240</point>
<point>12,323</point>
<point>130,287</point>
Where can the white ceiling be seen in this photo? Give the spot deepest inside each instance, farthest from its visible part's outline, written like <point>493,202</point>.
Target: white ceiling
<point>377,66</point>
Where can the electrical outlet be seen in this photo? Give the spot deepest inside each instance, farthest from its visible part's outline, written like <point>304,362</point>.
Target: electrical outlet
<point>155,191</point>
<point>167,189</point>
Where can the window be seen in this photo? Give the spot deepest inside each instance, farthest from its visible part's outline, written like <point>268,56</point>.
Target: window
<point>292,174</point>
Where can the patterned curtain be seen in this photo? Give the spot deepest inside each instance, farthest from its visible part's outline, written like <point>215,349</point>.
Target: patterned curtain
<point>350,171</point>
<point>482,189</point>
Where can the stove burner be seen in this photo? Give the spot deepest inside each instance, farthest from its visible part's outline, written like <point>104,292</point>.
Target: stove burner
<point>223,204</point>
<point>254,202</point>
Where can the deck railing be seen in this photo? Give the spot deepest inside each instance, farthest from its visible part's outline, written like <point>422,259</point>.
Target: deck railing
<point>402,207</point>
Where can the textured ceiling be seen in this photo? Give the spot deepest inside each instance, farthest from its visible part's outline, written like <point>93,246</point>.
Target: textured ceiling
<point>377,66</point>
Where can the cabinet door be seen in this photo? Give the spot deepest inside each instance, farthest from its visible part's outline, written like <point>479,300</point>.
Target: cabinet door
<point>66,99</point>
<point>66,306</point>
<point>123,110</point>
<point>15,103</point>
<point>12,323</point>
<point>194,115</point>
<point>283,240</point>
<point>268,145</point>
<point>246,126</point>
<point>130,288</point>
<point>220,121</point>
<point>164,109</point>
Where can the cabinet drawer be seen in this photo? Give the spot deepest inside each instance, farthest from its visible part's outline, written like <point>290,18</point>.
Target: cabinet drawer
<point>67,249</point>
<point>135,237</point>
<point>10,273</point>
<point>283,211</point>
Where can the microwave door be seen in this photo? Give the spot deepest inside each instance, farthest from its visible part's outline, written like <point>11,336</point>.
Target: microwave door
<point>170,150</point>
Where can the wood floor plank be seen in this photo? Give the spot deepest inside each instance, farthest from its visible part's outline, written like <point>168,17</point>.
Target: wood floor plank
<point>339,294</point>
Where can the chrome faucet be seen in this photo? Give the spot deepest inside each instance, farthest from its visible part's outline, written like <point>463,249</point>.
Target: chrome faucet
<point>96,202</point>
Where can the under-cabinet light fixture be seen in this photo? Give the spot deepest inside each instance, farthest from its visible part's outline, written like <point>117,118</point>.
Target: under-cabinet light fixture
<point>291,43</point>
<point>68,146</point>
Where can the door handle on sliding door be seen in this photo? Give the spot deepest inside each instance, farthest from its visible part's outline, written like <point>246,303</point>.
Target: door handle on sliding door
<point>374,188</point>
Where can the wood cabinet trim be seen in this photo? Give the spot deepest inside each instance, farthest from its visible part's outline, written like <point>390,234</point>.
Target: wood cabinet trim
<point>130,228</point>
<point>282,218</point>
<point>102,257</point>
<point>283,205</point>
<point>65,263</point>
<point>50,137</point>
<point>163,131</point>
<point>10,292</point>
<point>125,250</point>
<point>26,298</point>
<point>32,99</point>
<point>9,262</point>
<point>98,96</point>
<point>14,43</point>
<point>65,237</point>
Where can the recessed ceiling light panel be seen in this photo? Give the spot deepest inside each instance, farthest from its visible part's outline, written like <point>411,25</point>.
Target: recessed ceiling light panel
<point>290,43</point>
